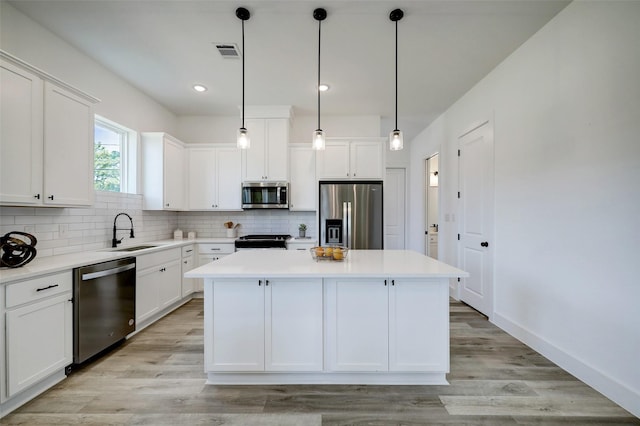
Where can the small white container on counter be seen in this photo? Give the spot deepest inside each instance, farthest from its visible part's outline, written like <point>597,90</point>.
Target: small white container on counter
<point>192,235</point>
<point>177,234</point>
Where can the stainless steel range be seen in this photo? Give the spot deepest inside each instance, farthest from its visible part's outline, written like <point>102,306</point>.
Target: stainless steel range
<point>272,241</point>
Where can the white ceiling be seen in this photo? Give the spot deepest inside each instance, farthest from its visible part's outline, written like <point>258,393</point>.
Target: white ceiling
<point>163,47</point>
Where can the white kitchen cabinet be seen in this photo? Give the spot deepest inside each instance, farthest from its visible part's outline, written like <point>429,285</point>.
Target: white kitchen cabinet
<point>46,140</point>
<point>162,172</point>
<point>302,244</point>
<point>158,282</point>
<point>418,332</point>
<point>39,330</point>
<point>188,263</point>
<point>293,325</point>
<point>238,326</point>
<point>214,178</point>
<point>351,159</point>
<point>266,325</point>
<point>396,325</point>
<point>303,186</point>
<point>210,252</point>
<point>267,158</point>
<point>357,325</point>
<point>21,129</point>
<point>68,152</point>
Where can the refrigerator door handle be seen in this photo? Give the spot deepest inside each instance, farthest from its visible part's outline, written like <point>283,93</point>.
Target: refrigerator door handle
<point>345,224</point>
<point>348,218</point>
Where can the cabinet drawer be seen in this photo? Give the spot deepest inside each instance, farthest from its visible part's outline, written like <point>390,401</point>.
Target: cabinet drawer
<point>188,250</point>
<point>38,288</point>
<point>153,259</point>
<point>216,248</point>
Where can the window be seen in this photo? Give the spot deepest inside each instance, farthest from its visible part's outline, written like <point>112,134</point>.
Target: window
<point>114,157</point>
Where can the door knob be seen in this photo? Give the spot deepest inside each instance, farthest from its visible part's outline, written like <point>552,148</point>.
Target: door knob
<point>484,244</point>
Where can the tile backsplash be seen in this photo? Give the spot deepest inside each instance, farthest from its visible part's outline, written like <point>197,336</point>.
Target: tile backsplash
<point>71,229</point>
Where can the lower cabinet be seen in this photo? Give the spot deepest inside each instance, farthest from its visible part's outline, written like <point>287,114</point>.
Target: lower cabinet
<point>39,330</point>
<point>158,282</point>
<point>398,325</point>
<point>188,263</point>
<point>266,325</point>
<point>210,252</point>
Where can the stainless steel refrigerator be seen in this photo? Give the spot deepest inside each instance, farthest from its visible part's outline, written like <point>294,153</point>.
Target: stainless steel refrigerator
<point>351,214</point>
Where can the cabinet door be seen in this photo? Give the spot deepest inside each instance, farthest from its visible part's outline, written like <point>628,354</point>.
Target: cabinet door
<point>20,136</point>
<point>302,189</point>
<point>169,286</point>
<point>357,325</point>
<point>147,297</point>
<point>68,148</point>
<point>419,325</point>
<point>173,175</point>
<point>39,341</point>
<point>228,179</point>
<point>367,160</point>
<point>237,313</point>
<point>333,162</point>
<point>293,312</point>
<point>277,153</point>
<point>202,178</point>
<point>188,284</point>
<point>253,159</point>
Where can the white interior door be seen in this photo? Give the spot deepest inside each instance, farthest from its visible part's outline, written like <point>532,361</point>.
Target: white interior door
<point>476,213</point>
<point>394,209</point>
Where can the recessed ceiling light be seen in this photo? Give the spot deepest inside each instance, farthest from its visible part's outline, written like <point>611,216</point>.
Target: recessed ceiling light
<point>199,88</point>
<point>323,87</point>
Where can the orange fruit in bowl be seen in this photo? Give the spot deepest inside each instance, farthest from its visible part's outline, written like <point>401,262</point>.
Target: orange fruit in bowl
<point>319,251</point>
<point>328,251</point>
<point>337,254</point>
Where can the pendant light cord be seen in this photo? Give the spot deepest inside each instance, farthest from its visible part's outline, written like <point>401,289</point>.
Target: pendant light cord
<point>318,87</point>
<point>243,54</point>
<point>396,128</point>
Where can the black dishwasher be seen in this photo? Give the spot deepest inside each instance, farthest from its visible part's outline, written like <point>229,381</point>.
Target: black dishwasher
<point>104,308</point>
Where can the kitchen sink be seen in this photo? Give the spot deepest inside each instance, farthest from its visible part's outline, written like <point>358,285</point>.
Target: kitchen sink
<point>135,248</point>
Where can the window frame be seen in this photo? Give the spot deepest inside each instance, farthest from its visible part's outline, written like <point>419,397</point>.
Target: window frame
<point>128,153</point>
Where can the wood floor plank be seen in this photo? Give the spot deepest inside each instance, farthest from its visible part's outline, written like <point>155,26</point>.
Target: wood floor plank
<point>158,378</point>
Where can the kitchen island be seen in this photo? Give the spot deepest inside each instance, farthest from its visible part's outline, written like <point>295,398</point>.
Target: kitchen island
<point>280,317</point>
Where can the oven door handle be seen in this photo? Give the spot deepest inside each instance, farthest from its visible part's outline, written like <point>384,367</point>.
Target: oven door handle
<point>107,272</point>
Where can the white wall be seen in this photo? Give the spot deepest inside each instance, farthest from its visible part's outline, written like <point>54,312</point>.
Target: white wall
<point>566,111</point>
<point>120,102</point>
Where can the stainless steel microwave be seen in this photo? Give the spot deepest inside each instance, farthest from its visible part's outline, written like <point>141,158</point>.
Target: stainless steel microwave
<point>265,195</point>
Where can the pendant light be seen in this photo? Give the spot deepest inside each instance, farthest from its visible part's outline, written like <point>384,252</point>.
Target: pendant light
<point>318,135</point>
<point>395,137</point>
<point>243,141</point>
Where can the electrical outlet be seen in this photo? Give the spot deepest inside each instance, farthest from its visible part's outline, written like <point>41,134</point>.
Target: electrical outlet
<point>63,229</point>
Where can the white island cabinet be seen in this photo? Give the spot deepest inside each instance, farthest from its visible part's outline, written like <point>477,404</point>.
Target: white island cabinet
<point>276,317</point>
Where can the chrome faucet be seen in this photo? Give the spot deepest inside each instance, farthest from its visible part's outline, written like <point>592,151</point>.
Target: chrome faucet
<point>115,241</point>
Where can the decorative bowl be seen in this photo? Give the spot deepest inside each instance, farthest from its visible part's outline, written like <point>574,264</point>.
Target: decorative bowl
<point>335,253</point>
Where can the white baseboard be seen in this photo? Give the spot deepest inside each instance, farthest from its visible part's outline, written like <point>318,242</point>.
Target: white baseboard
<point>619,393</point>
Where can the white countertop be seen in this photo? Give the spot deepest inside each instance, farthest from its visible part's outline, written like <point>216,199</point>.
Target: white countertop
<point>300,264</point>
<point>51,264</point>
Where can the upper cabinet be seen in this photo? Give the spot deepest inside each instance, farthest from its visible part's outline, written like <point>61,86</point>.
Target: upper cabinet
<point>162,172</point>
<point>268,157</point>
<point>213,178</point>
<point>351,159</point>
<point>46,138</point>
<point>302,167</point>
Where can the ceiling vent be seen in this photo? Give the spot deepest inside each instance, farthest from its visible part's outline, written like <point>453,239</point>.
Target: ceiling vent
<point>228,50</point>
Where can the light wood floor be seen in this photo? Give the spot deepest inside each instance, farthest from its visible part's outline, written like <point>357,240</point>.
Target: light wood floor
<point>157,378</point>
